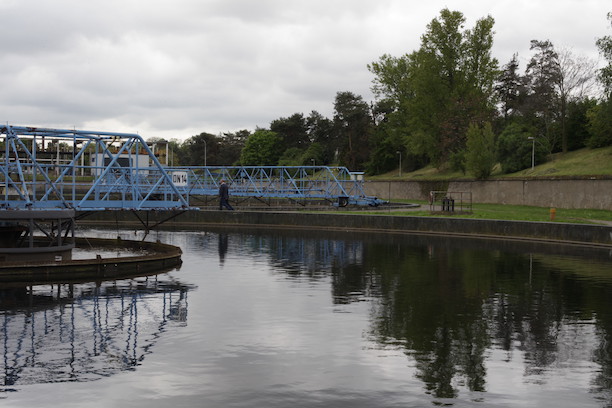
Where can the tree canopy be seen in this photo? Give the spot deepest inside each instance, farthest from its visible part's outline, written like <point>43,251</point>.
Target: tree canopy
<point>605,49</point>
<point>443,86</point>
<point>447,104</point>
<point>262,148</point>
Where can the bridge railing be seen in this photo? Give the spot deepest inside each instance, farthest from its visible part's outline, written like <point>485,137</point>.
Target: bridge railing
<point>29,179</point>
<point>335,184</point>
<point>101,170</point>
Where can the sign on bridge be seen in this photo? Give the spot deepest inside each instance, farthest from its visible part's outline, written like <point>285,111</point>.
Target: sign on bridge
<point>179,178</point>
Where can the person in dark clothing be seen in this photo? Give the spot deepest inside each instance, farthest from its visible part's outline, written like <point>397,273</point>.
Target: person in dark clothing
<point>224,196</point>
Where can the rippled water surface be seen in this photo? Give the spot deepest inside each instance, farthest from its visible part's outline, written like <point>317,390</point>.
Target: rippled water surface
<point>304,319</point>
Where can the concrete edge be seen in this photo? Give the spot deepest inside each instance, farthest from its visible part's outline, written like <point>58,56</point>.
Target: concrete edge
<point>163,257</point>
<point>577,234</point>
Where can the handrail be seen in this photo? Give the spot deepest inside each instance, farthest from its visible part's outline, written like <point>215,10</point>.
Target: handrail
<point>106,170</point>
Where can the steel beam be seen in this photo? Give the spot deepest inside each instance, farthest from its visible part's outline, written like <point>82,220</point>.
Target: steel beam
<point>92,170</point>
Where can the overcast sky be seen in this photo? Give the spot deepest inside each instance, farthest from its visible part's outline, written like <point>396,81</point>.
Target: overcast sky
<point>176,68</point>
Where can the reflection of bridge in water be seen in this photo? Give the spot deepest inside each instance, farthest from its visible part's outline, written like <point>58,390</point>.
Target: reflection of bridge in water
<point>81,332</point>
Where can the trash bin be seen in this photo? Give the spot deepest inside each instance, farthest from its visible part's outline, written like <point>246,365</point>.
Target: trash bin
<point>448,204</point>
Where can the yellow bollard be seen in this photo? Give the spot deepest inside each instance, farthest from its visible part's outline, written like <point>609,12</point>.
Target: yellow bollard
<point>553,212</point>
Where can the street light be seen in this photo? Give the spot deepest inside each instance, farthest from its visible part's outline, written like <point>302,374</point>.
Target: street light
<point>167,151</point>
<point>400,163</point>
<point>532,151</point>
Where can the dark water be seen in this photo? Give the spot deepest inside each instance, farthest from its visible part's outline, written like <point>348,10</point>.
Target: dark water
<point>301,319</point>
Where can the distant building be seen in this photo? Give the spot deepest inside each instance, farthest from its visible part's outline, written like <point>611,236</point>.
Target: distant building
<point>100,161</point>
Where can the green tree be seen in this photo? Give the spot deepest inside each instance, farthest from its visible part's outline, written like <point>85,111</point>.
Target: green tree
<point>320,132</point>
<point>576,79</point>
<point>262,148</point>
<point>480,154</point>
<point>599,116</point>
<point>292,130</point>
<point>600,125</point>
<point>386,142</point>
<point>439,89</point>
<point>315,154</point>
<point>385,152</point>
<point>291,157</point>
<point>605,49</point>
<point>392,82</point>
<point>508,88</point>
<point>194,149</point>
<point>230,147</point>
<point>514,148</point>
<point>578,122</point>
<point>542,99</point>
<point>352,128</point>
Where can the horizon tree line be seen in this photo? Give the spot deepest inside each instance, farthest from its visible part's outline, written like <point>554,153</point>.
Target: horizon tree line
<point>448,104</point>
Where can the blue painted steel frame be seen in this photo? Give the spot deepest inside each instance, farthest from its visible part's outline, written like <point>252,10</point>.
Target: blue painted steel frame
<point>335,184</point>
<point>27,181</point>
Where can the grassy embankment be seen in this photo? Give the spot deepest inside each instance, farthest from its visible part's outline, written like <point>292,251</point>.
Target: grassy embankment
<point>508,212</point>
<point>580,163</point>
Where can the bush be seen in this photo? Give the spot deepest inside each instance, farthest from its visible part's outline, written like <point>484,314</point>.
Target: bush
<point>480,154</point>
<point>457,161</point>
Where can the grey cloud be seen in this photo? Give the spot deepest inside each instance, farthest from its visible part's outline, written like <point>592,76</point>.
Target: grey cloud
<point>182,67</point>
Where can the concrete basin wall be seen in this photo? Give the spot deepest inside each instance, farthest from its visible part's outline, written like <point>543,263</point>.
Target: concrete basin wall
<point>559,193</point>
<point>597,235</point>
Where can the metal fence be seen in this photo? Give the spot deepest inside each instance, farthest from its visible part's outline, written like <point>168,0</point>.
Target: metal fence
<point>450,201</point>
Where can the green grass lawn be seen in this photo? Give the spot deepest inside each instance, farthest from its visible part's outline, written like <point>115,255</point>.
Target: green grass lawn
<point>505,212</point>
<point>579,163</point>
<point>583,162</point>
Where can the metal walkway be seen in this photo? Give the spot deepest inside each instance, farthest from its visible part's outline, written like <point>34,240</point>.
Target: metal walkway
<point>44,168</point>
<point>336,185</point>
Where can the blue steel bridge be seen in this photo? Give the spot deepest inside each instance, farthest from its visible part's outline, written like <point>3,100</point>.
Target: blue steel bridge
<point>46,169</point>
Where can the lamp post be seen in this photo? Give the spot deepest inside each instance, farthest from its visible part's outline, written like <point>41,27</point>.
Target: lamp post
<point>400,163</point>
<point>532,151</point>
<point>313,167</point>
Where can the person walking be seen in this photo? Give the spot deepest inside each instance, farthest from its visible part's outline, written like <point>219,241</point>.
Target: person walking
<point>224,196</point>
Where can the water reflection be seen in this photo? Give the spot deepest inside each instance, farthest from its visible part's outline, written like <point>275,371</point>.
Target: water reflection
<point>450,304</point>
<point>81,332</point>
<point>223,243</point>
<point>299,318</point>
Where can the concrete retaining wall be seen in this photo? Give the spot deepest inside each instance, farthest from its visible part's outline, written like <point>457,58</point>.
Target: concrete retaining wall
<point>160,258</point>
<point>566,193</point>
<point>571,233</point>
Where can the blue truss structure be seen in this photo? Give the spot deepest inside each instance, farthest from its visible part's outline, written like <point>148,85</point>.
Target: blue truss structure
<point>33,178</point>
<point>43,168</point>
<point>299,183</point>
